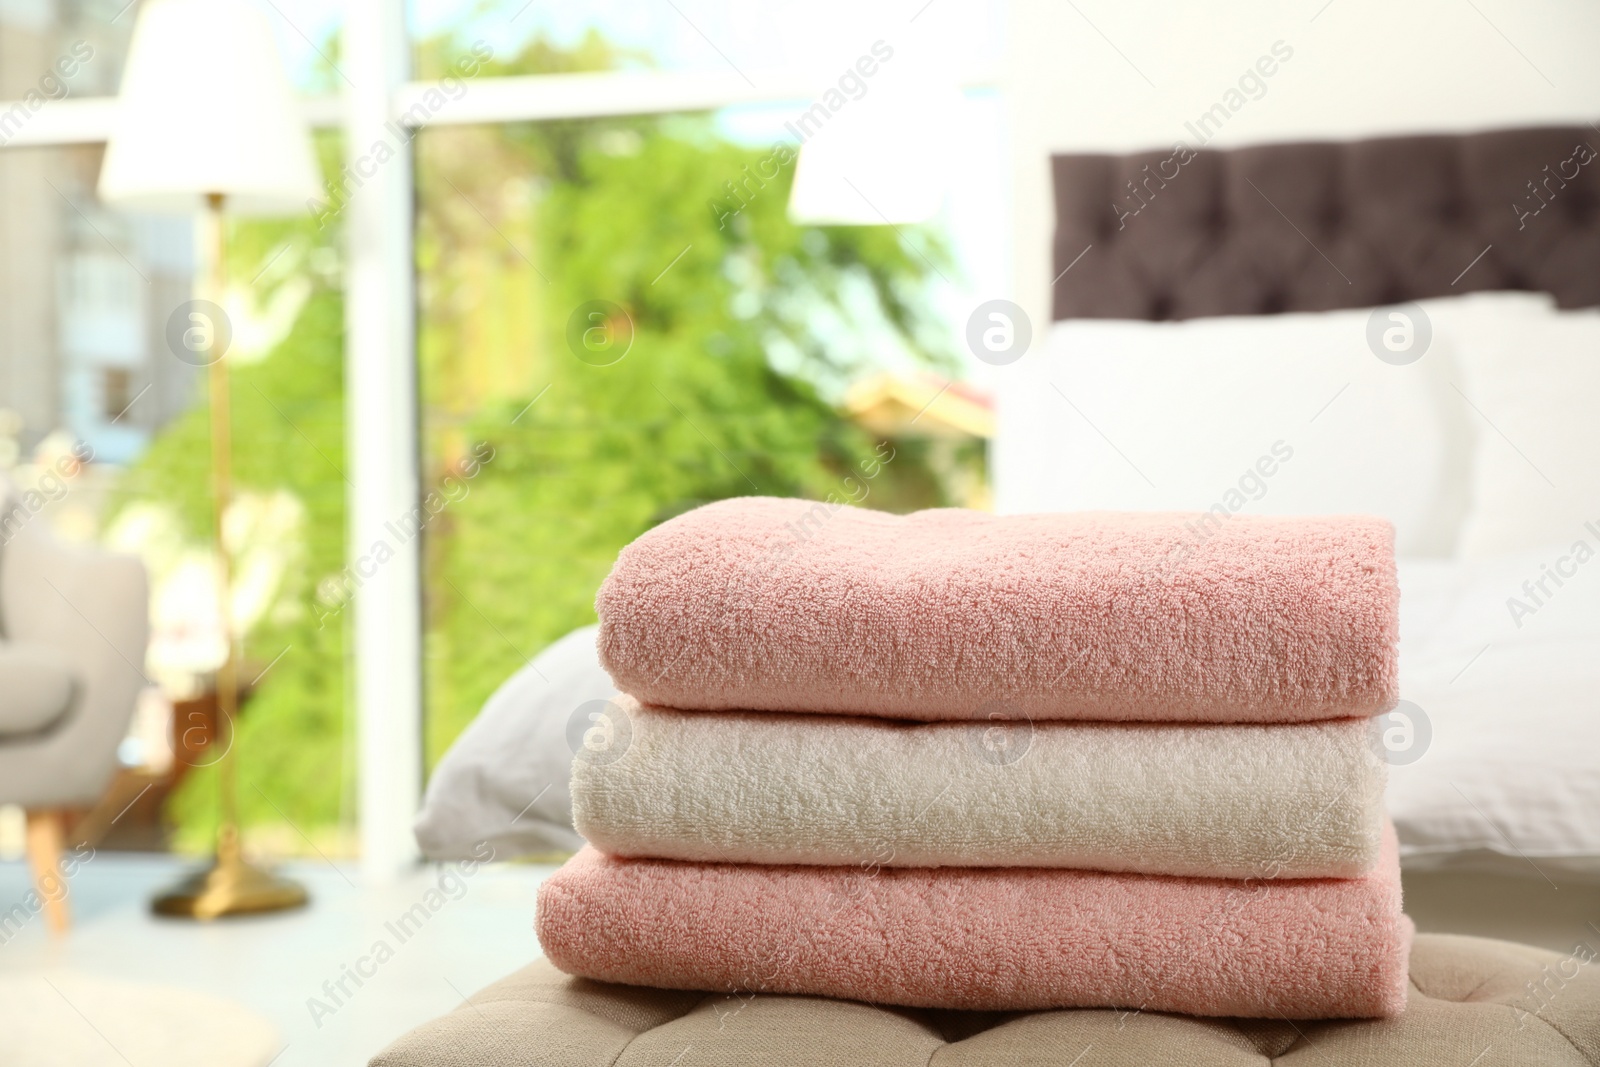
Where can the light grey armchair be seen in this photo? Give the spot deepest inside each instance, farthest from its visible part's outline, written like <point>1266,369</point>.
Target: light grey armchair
<point>74,622</point>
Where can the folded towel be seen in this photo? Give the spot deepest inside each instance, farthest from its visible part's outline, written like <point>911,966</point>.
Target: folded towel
<point>997,939</point>
<point>788,605</point>
<point>1300,800</point>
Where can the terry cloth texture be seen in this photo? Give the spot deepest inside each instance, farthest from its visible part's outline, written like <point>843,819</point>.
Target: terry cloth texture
<point>991,939</point>
<point>787,605</point>
<point>1301,800</point>
<point>1526,1005</point>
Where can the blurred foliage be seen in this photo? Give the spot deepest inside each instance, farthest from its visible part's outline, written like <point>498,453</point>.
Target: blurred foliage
<point>744,328</point>
<point>288,428</point>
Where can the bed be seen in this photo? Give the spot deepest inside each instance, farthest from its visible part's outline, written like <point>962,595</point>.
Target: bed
<point>1401,326</point>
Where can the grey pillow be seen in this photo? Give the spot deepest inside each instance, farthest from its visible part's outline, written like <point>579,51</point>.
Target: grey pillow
<point>505,780</point>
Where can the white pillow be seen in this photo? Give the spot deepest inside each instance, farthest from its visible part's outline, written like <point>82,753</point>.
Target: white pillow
<point>1535,382</point>
<point>1275,414</point>
<point>505,780</point>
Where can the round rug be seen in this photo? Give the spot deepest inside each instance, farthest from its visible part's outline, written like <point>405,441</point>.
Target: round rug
<point>66,1019</point>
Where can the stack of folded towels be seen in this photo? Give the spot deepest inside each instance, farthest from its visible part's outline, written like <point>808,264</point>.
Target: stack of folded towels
<point>955,760</point>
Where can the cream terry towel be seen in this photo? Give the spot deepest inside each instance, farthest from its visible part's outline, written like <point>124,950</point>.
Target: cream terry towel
<point>1235,801</point>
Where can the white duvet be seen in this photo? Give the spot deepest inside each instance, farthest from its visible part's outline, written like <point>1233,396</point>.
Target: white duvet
<point>1502,656</point>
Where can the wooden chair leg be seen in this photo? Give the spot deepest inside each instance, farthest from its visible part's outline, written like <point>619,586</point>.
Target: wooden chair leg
<point>46,832</point>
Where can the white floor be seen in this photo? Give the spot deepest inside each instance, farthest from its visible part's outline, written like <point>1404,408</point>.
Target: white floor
<point>482,930</point>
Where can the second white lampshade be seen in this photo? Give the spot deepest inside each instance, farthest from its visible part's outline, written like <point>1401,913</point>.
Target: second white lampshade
<point>884,159</point>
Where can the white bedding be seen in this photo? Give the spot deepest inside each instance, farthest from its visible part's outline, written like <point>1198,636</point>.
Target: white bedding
<point>1511,773</point>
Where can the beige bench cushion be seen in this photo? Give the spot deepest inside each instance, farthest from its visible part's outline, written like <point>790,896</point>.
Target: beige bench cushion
<point>1472,1001</point>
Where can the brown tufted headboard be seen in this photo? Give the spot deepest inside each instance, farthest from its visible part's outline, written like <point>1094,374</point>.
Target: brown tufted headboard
<point>1310,227</point>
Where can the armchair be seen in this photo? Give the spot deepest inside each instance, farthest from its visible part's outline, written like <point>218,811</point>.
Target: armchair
<point>73,628</point>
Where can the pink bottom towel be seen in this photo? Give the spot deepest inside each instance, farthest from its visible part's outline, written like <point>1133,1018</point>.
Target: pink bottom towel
<point>1002,939</point>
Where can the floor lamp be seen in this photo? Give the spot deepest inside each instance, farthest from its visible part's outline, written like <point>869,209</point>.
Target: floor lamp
<point>206,121</point>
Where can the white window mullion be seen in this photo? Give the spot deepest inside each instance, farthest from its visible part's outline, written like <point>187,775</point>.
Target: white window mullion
<point>381,435</point>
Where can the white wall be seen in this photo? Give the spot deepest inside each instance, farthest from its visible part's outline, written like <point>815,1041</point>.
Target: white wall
<point>1359,68</point>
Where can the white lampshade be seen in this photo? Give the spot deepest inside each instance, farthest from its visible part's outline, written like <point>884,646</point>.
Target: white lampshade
<point>206,108</point>
<point>882,159</point>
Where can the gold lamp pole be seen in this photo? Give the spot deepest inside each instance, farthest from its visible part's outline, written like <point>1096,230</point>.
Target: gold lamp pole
<point>231,885</point>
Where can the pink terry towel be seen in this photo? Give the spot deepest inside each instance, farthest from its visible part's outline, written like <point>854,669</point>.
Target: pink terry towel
<point>788,605</point>
<point>999,939</point>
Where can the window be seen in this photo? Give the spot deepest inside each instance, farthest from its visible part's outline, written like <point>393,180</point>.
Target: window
<point>617,319</point>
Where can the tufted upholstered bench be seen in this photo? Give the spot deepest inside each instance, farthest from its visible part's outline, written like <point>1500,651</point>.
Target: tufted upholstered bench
<point>1473,1003</point>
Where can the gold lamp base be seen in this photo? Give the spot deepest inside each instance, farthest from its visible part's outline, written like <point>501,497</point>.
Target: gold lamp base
<point>230,886</point>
